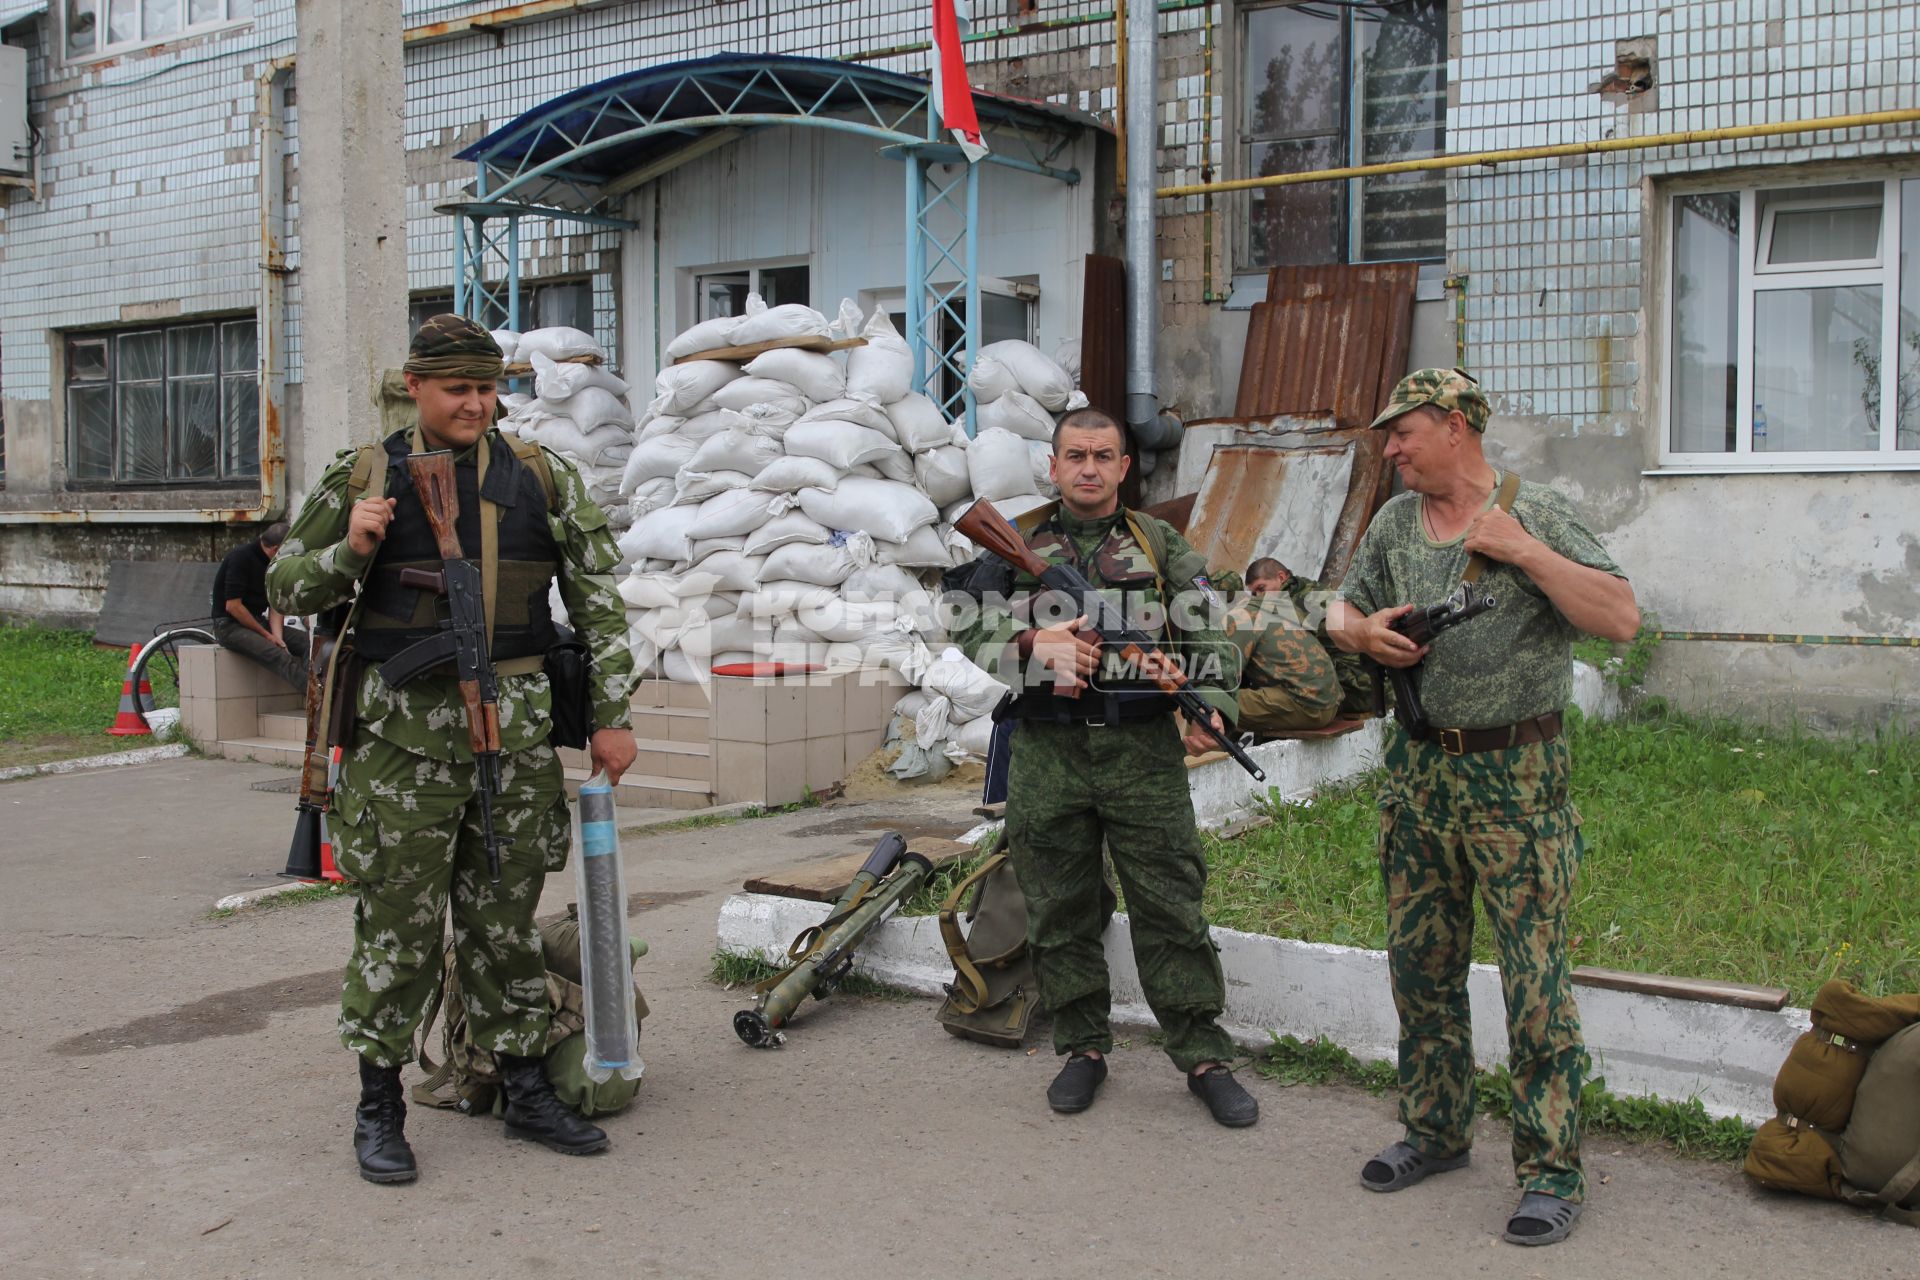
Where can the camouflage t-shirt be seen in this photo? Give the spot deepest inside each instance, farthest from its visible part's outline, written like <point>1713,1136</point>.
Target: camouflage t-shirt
<point>1511,664</point>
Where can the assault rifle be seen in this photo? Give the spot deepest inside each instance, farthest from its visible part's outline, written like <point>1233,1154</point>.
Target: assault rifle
<point>463,638</point>
<point>1421,626</point>
<point>987,527</point>
<point>821,957</point>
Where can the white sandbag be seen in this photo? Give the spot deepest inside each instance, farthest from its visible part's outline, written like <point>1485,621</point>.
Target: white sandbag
<point>700,548</point>
<point>656,424</point>
<point>973,738</point>
<point>659,535</point>
<point>1040,458</point>
<point>789,320</point>
<point>841,445</point>
<point>883,508</point>
<point>883,368</point>
<point>736,512</point>
<point>884,582</point>
<point>792,474</point>
<point>843,657</point>
<point>650,591</point>
<point>557,382</point>
<point>650,495</point>
<point>845,621</point>
<point>785,529</point>
<point>732,570</point>
<point>680,388</point>
<point>898,649</point>
<point>782,597</point>
<point>926,548</point>
<point>1078,400</point>
<point>737,633</point>
<point>595,407</point>
<point>825,564</point>
<point>1019,413</point>
<point>866,469</point>
<point>681,669</point>
<point>769,419</point>
<point>911,702</point>
<point>1067,356</point>
<point>705,336</point>
<point>918,423</point>
<point>697,486</point>
<point>660,456</point>
<point>897,465</point>
<point>509,343</point>
<point>794,643</point>
<point>847,322</point>
<point>1033,370</point>
<point>741,392</point>
<point>973,691</point>
<point>818,376</point>
<point>557,343</point>
<point>990,379</point>
<point>736,450</point>
<point>942,474</point>
<point>998,465</point>
<point>861,410</point>
<point>702,427</point>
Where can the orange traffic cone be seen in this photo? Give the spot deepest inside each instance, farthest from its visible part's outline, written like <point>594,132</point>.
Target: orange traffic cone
<point>329,869</point>
<point>131,721</point>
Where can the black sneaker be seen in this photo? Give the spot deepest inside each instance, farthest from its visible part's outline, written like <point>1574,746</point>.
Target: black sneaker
<point>1227,1101</point>
<point>1073,1089</point>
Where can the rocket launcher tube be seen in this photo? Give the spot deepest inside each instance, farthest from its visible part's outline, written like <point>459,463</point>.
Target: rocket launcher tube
<point>823,955</point>
<point>606,956</point>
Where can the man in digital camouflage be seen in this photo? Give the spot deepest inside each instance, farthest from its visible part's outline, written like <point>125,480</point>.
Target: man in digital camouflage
<point>1108,765</point>
<point>404,819</point>
<point>1287,680</point>
<point>1483,801</point>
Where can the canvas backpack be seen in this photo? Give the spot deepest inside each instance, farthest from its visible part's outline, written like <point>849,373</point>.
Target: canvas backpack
<point>467,1079</point>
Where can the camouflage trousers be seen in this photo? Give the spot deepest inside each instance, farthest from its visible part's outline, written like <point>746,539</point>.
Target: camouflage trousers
<point>1070,788</point>
<point>406,832</point>
<point>1498,821</point>
<point>1297,687</point>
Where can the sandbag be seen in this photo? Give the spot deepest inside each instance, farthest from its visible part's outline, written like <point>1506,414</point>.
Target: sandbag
<point>736,512</point>
<point>998,466</point>
<point>656,424</point>
<point>925,548</point>
<point>705,336</point>
<point>1789,1158</point>
<point>736,450</point>
<point>779,598</point>
<point>989,378</point>
<point>784,529</point>
<point>974,737</point>
<point>1817,1081</point>
<point>883,368</point>
<point>660,456</point>
<point>650,495</point>
<point>742,392</point>
<point>732,570</point>
<point>820,563</point>
<point>971,690</point>
<point>701,548</point>
<point>883,508</point>
<point>509,343</point>
<point>1843,1008</point>
<point>680,388</point>
<point>841,445</point>
<point>918,423</point>
<point>818,377</point>
<point>1019,413</point>
<point>790,475</point>
<point>1033,372</point>
<point>861,410</point>
<point>1067,356</point>
<point>558,382</point>
<point>888,582</point>
<point>698,486</point>
<point>942,474</point>
<point>770,324</point>
<point>557,342</point>
<point>659,535</point>
<point>1883,1140</point>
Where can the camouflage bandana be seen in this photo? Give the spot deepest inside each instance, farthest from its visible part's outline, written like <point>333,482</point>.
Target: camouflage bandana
<point>1444,389</point>
<point>450,346</point>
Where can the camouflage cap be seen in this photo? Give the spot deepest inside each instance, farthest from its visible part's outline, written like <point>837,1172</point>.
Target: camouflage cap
<point>1444,389</point>
<point>451,346</point>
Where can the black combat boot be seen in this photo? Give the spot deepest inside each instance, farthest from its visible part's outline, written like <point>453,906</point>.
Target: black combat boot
<point>1073,1089</point>
<point>535,1112</point>
<point>378,1141</point>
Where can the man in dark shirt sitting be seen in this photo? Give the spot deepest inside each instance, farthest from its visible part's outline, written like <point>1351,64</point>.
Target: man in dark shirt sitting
<point>242,620</point>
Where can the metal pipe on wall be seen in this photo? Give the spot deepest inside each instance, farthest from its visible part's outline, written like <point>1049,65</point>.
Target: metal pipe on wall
<point>1152,429</point>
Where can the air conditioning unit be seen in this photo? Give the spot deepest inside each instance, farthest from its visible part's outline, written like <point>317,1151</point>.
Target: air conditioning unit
<point>16,144</point>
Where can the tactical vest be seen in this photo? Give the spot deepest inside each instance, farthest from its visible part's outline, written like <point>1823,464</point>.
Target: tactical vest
<point>524,554</point>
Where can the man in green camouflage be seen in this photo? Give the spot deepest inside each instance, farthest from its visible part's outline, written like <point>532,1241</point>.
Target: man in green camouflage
<point>405,819</point>
<point>1098,758</point>
<point>1287,681</point>
<point>1482,801</point>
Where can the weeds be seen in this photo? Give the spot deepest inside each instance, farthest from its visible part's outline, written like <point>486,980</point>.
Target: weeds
<point>291,898</point>
<point>730,971</point>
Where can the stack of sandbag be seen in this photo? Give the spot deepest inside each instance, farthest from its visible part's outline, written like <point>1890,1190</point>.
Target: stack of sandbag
<point>1019,389</point>
<point>578,408</point>
<point>1849,1102</point>
<point>947,720</point>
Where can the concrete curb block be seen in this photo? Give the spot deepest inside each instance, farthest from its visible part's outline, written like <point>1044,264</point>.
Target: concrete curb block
<point>738,809</point>
<point>253,897</point>
<point>1673,1049</point>
<point>112,760</point>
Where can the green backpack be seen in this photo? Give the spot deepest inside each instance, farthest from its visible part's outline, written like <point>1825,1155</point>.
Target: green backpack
<point>466,1078</point>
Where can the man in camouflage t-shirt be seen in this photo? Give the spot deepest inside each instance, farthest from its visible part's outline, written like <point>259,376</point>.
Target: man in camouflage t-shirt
<point>1287,680</point>
<point>1484,798</point>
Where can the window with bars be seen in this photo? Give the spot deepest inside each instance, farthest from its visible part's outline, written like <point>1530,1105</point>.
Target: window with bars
<point>1326,86</point>
<point>98,27</point>
<point>168,405</point>
<point>543,305</point>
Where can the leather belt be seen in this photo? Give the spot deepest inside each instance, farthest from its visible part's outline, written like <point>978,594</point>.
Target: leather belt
<point>1462,742</point>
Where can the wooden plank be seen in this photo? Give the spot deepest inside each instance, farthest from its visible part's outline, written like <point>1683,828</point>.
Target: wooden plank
<point>824,880</point>
<point>1738,994</point>
<point>740,355</point>
<point>524,369</point>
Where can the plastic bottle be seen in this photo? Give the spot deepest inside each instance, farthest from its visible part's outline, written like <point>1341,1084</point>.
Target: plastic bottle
<point>1759,426</point>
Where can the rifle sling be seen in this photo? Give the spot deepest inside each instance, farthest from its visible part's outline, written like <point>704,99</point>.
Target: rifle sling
<point>969,990</point>
<point>1509,489</point>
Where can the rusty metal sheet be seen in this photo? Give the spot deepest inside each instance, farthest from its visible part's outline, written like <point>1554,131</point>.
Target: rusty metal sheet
<point>1260,500</point>
<point>1103,348</point>
<point>1328,339</point>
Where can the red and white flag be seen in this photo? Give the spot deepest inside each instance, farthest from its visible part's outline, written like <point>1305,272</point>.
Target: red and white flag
<point>952,95</point>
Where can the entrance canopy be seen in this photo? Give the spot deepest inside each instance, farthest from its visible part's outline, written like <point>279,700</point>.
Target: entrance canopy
<point>574,157</point>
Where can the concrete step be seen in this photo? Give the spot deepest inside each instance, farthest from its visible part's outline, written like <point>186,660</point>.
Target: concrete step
<point>284,726</point>
<point>265,750</point>
<point>673,724</point>
<point>650,790</point>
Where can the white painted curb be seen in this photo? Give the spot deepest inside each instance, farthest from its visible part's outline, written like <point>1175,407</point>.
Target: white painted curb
<point>112,760</point>
<point>1673,1049</point>
<point>252,897</point>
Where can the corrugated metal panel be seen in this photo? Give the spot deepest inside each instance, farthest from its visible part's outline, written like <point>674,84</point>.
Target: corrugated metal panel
<point>1262,500</point>
<point>1328,339</point>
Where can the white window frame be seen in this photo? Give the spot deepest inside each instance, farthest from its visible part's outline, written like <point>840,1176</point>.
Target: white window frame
<point>1764,250</point>
<point>691,276</point>
<point>103,50</point>
<point>1883,273</point>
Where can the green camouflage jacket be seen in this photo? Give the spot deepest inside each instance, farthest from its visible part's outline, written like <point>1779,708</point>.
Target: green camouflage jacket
<point>316,570</point>
<point>1105,550</point>
<point>1271,635</point>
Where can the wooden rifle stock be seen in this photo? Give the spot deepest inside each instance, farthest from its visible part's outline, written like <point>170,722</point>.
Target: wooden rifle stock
<point>432,475</point>
<point>984,524</point>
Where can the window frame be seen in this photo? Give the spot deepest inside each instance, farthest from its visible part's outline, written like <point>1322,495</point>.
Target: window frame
<point>103,49</point>
<point>1764,248</point>
<point>1882,273</point>
<point>751,268</point>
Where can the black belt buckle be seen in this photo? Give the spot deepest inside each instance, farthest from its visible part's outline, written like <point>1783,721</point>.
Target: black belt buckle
<point>1452,741</point>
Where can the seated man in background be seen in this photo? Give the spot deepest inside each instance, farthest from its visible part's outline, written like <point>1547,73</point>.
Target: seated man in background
<point>242,620</point>
<point>1287,679</point>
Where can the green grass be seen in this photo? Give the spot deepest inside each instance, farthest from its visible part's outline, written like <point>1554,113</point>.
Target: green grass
<point>1684,1126</point>
<point>1714,850</point>
<point>808,800</point>
<point>730,971</point>
<point>58,694</point>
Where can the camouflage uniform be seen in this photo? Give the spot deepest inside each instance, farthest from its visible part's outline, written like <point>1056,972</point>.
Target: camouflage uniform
<point>1072,785</point>
<point>1497,820</point>
<point>1287,681</point>
<point>404,821</point>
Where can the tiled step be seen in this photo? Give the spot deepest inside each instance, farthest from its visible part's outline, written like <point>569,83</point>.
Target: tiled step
<point>265,750</point>
<point>673,724</point>
<point>650,791</point>
<point>660,757</point>
<point>284,726</point>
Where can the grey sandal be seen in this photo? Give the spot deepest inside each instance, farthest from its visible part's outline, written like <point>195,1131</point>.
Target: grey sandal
<point>1541,1219</point>
<point>1400,1166</point>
